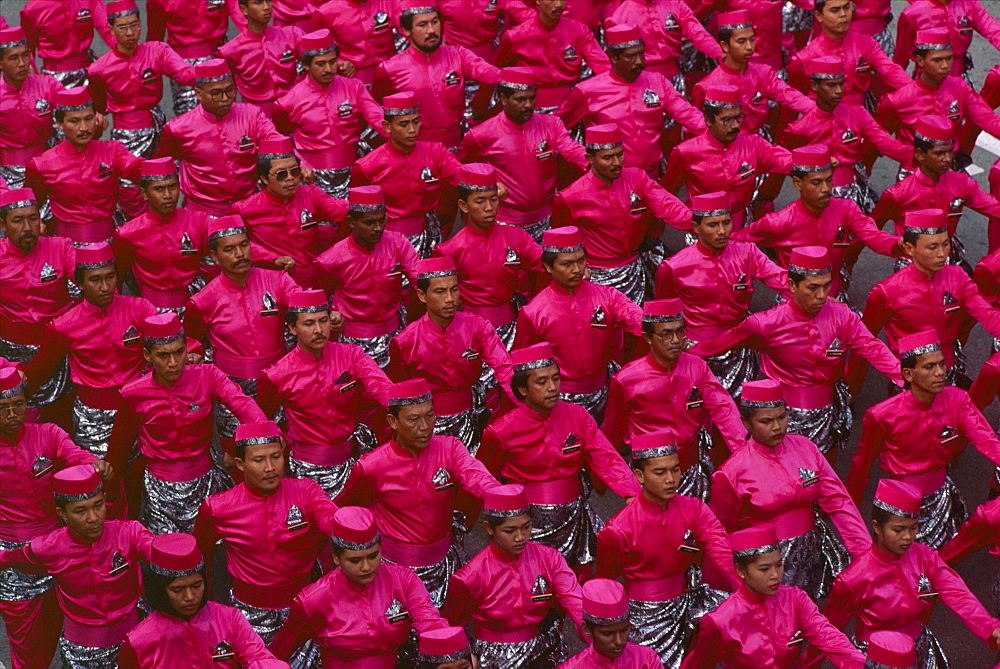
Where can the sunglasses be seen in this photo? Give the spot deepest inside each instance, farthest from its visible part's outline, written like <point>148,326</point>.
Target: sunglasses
<point>281,175</point>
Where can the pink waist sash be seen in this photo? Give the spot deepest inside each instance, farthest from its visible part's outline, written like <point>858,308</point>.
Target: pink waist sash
<point>506,635</point>
<point>552,96</point>
<point>927,482</point>
<point>864,633</point>
<point>451,402</point>
<point>20,155</point>
<point>561,491</point>
<point>415,555</point>
<point>844,175</point>
<point>242,367</point>
<point>181,469</point>
<point>655,590</point>
<point>166,299</point>
<point>134,119</point>
<point>20,532</point>
<point>367,330</point>
<point>197,50</point>
<point>275,596</point>
<point>809,397</point>
<point>99,398</point>
<point>99,636</point>
<point>324,455</point>
<point>335,157</point>
<point>67,64</point>
<point>583,385</point>
<point>369,662</point>
<point>497,314</point>
<point>612,263</point>
<point>790,524</point>
<point>515,216</point>
<point>408,225</point>
<point>92,232</point>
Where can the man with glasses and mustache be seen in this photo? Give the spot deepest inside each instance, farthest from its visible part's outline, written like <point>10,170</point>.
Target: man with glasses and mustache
<point>216,142</point>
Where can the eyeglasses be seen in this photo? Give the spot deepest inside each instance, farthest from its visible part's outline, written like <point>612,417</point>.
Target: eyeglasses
<point>667,335</point>
<point>281,175</point>
<point>221,93</point>
<point>130,28</point>
<point>19,407</point>
<point>731,120</point>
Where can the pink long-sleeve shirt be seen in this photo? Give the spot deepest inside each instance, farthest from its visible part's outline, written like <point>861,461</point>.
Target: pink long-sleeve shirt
<point>246,324</point>
<point>326,122</point>
<point>716,288</point>
<point>489,266</point>
<point>916,442</point>
<point>368,624</point>
<point>645,397</point>
<point>31,459</point>
<point>323,398</point>
<point>413,496</point>
<point>438,81</point>
<point>164,254</point>
<point>529,448</point>
<point>980,530</point>
<point>652,547</point>
<point>870,16</point>
<point>476,25</point>
<point>60,32</point>
<point>218,156</point>
<point>366,286</point>
<point>806,353</point>
<point>33,288</point>
<point>27,113</point>
<point>128,87</point>
<point>192,29</point>
<point>758,85</point>
<point>363,30</point>
<point>795,226</point>
<point>450,358</point>
<point>662,24</point>
<point>615,217</point>
<point>640,109</point>
<point>960,17</point>
<point>290,227</point>
<point>585,328</point>
<point>82,186</point>
<point>272,542</point>
<point>954,99</point>
<point>265,66</point>
<point>909,302</point>
<point>524,156</point>
<point>633,657</point>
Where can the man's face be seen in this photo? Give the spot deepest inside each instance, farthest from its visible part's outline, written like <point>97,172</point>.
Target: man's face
<point>713,231</point>
<point>23,227</point>
<point>426,32</point>
<point>442,296</point>
<point>217,97</point>
<point>551,10</point>
<point>836,16</point>
<point>126,31</point>
<point>263,466</point>
<point>519,105</point>
<point>186,593</point>
<point>86,518</point>
<point>414,425</point>
<point>815,188</point>
<point>726,124</point>
<point>828,91</point>
<point>258,11</point>
<point>284,177</point>
<point>360,567</point>
<point>660,478</point>
<point>930,253</point>
<point>935,65</point>
<point>168,360</point>
<point>668,340</point>
<point>897,535</point>
<point>929,373</point>
<point>79,126</point>
<point>630,63</point>
<point>764,575</point>
<point>481,208</point>
<point>15,64</point>
<point>323,68</point>
<point>162,196</point>
<point>233,254</point>
<point>403,130</point>
<point>312,331</point>
<point>567,269</point>
<point>607,163</point>
<point>768,426</point>
<point>512,535</point>
<point>368,229</point>
<point>811,292</point>
<point>937,160</point>
<point>542,392</point>
<point>99,286</point>
<point>741,45</point>
<point>610,640</point>
<point>12,410</point>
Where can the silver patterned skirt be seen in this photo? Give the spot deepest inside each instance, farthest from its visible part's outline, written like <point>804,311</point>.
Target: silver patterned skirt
<point>734,367</point>
<point>886,40</point>
<point>184,96</point>
<point>173,506</point>
<point>14,176</point>
<point>942,513</point>
<point>141,142</point>
<point>463,426</point>
<point>814,559</point>
<point>930,654</point>
<point>335,183</point>
<point>668,627</point>
<point>859,191</point>
<point>487,379</point>
<point>330,478</point>
<point>15,585</point>
<point>696,481</point>
<point>226,422</point>
<point>52,390</point>
<point>569,528</point>
<point>87,657</point>
<point>267,622</point>
<point>424,242</point>
<point>435,577</point>
<point>630,279</point>
<point>827,427</point>
<point>794,19</point>
<point>377,348</point>
<point>70,78</point>
<point>92,427</point>
<point>545,651</point>
<point>536,229</point>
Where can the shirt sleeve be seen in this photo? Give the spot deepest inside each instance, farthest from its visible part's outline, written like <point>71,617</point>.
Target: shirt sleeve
<point>127,165</point>
<point>889,146</point>
<point>986,24</point>
<point>864,229</point>
<point>609,554</point>
<point>319,508</point>
<point>708,646</point>
<point>460,604</point>
<point>489,452</point>
<point>987,384</point>
<point>568,148</point>
<point>891,74</point>
<point>175,67</point>
<point>666,285</point>
<point>977,429</point>
<point>725,503</point>
<point>820,633</point>
<point>616,414</point>
<point>978,199</point>
<point>472,474</point>
<point>785,95</point>
<point>567,588</point>
<point>68,453</point>
<point>976,533</point>
<point>592,52</point>
<point>722,409</point>
<point>835,501</point>
<point>978,307</point>
<point>627,313</point>
<point>227,392</point>
<point>905,39</point>
<point>574,109</point>
<point>872,438</point>
<point>677,171</point>
<point>423,615</point>
<point>695,32</point>
<point>358,490</point>
<point>295,632</point>
<point>679,109</point>
<point>955,594</point>
<point>769,272</point>
<point>710,534</point>
<point>477,69</point>
<point>497,357</point>
<point>748,334</point>
<point>605,462</point>
<point>24,559</point>
<point>861,341</point>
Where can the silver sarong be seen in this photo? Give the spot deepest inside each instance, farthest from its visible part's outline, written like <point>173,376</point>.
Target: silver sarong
<point>424,242</point>
<point>536,229</point>
<point>651,254</point>
<point>630,279</point>
<point>794,19</point>
<point>70,78</point>
<point>667,627</point>
<point>930,654</point>
<point>942,513</point>
<point>487,379</point>
<point>92,427</point>
<point>595,402</point>
<point>169,506</point>
<point>14,176</point>
<point>141,142</point>
<point>569,528</point>
<point>267,622</point>
<point>52,390</point>
<point>545,651</point>
<point>377,348</point>
<point>15,585</point>
<point>335,183</point>
<point>827,427</point>
<point>330,478</point>
<point>435,577</point>
<point>691,60</point>
<point>814,559</point>
<point>696,481</point>
<point>87,657</point>
<point>734,367</point>
<point>860,191</point>
<point>886,40</point>
<point>184,96</point>
<point>463,426</point>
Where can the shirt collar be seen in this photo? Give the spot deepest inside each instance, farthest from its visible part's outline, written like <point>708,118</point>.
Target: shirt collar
<point>7,441</point>
<point>353,243</point>
<point>884,556</point>
<point>483,234</point>
<point>277,199</point>
<point>750,596</point>
<point>710,253</point>
<point>94,309</point>
<point>799,312</point>
<point>650,505</point>
<point>255,494</point>
<point>505,558</point>
<point>402,452</point>
<point>7,246</point>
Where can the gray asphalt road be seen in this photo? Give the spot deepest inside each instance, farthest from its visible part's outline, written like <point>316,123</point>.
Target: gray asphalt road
<point>973,472</point>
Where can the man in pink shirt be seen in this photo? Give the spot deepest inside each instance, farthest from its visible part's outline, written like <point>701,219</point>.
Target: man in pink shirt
<point>80,176</point>
<point>96,568</point>
<point>216,142</point>
<point>714,280</point>
<point>411,483</point>
<point>585,322</point>
<point>436,73</point>
<point>476,26</point>
<point>324,387</point>
<point>614,206</point>
<point>959,18</point>
<point>101,337</point>
<point>164,246</point>
<point>287,220</point>
<point>364,30</point>
<point>555,48</point>
<point>642,103</point>
<point>411,172</point>
<point>523,147</point>
<point>33,453</point>
<point>264,58</point>
<point>60,32</point>
<point>448,348</point>
<point>670,390</point>
<point>327,114</point>
<point>725,159</point>
<point>803,344</point>
<point>364,275</point>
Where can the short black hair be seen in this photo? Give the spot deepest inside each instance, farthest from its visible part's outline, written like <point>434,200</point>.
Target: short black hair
<point>156,585</point>
<point>922,145</point>
<point>640,464</point>
<point>495,522</point>
<point>818,5</point>
<point>504,90</point>
<point>465,193</point>
<point>710,111</point>
<point>800,174</point>
<point>910,237</point>
<point>746,560</point>
<point>292,317</point>
<point>394,410</point>
<point>406,21</point>
<point>519,384</point>
<point>795,277</point>
<point>78,273</point>
<point>880,516</point>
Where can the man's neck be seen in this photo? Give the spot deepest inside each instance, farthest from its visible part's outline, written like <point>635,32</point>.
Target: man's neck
<point>814,209</point>
<point>256,27</point>
<point>732,63</point>
<point>318,82</point>
<point>664,362</point>
<point>439,320</point>
<point>569,290</point>
<point>929,273</point>
<point>547,22</point>
<point>363,243</point>
<point>239,279</point>
<point>825,106</point>
<point>537,409</point>
<point>482,226</point>
<point>930,175</point>
<point>163,382</point>
<point>662,505</point>
<point>87,540</point>
<point>836,36</point>
<point>127,51</point>
<point>929,81</point>
<point>925,396</point>
<point>316,353</point>
<point>607,180</point>
<point>15,83</point>
<point>80,148</point>
<point>159,213</point>
<point>412,450</point>
<point>404,149</point>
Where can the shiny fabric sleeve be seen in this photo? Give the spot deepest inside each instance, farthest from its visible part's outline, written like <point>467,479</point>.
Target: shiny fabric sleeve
<point>609,552</point>
<point>864,229</point>
<point>231,395</point>
<point>175,67</point>
<point>892,74</point>
<point>677,171</point>
<point>569,149</point>
<point>423,615</point>
<point>977,198</point>
<point>762,231</point>
<point>626,313</point>
<point>955,594</point>
<point>747,334</point>
<point>712,537</point>
<point>707,651</point>
<point>666,286</point>
<point>824,636</point>
<point>977,429</point>
<point>319,508</point>
<point>987,384</point>
<point>977,532</point>
<point>358,490</point>
<point>886,144</point>
<point>616,414</point>
<point>127,659</point>
<point>835,501</point>
<point>458,608</point>
<point>567,589</point>
<point>680,110</point>
<point>986,24</point>
<point>496,356</point>
<point>872,438</point>
<point>905,37</point>
<point>471,473</point>
<point>477,69</point>
<point>593,54</point>
<point>663,204</point>
<point>41,366</point>
<point>785,95</point>
<point>574,109</point>
<point>696,33</point>
<point>861,341</point>
<point>605,462</point>
<point>978,307</point>
<point>723,411</point>
<point>725,503</point>
<point>489,451</point>
<point>295,632</point>
<point>23,559</point>
<point>126,164</point>
<point>770,273</point>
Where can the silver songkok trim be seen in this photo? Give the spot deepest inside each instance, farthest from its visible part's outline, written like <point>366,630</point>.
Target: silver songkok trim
<point>146,178</point>
<point>274,156</point>
<point>413,11</point>
<point>760,550</point>
<point>160,341</point>
<point>626,45</point>
<point>713,212</point>
<point>11,392</point>
<point>258,441</point>
<point>8,45</point>
<point>95,265</point>
<point>517,87</point>
<point>603,147</point>
<point>351,546</point>
<point>924,231</point>
<point>72,108</point>
<point>597,620</point>
<point>562,249</point>
<point>172,573</point>
<point>809,272</point>
<point>752,404</point>
<point>928,46</point>
<point>401,112</point>
<point>655,452</point>
<point>438,274</point>
<point>227,232</point>
<point>826,76</point>
<point>319,52</point>
<point>19,204</point>
<point>672,318</point>
<point>534,364</point>
<point>308,310</point>
<point>812,168</point>
<point>82,496</point>
<point>509,513</point>
<point>477,189</point>
<point>211,80</point>
<point>408,401</point>
<point>128,12</point>
<point>735,26</point>
<point>365,208</point>
<point>713,104</point>
<point>937,142</point>
<point>893,510</point>
<point>920,350</point>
